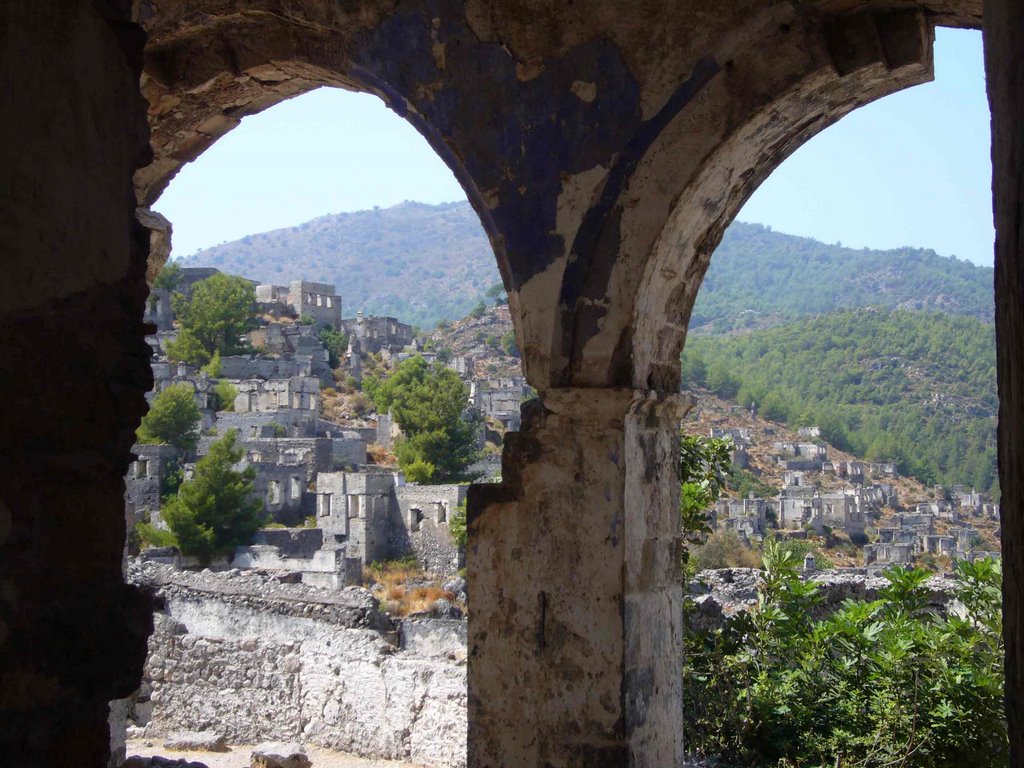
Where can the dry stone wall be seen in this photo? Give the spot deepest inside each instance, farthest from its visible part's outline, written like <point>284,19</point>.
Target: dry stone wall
<point>258,660</point>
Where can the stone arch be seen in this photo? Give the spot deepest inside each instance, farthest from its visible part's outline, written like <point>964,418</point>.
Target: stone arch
<point>780,78</point>
<point>727,178</point>
<point>204,72</point>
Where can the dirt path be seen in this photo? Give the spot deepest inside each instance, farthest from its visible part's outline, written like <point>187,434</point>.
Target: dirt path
<point>238,756</point>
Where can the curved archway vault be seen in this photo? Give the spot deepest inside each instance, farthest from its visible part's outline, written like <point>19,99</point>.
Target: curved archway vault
<point>605,145</point>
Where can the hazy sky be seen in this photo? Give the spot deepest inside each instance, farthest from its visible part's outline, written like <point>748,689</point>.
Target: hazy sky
<point>911,169</point>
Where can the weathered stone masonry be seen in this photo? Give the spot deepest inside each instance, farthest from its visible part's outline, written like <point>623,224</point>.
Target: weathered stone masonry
<point>605,145</point>
<point>256,660</point>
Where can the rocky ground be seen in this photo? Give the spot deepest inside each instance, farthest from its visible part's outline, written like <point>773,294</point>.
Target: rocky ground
<point>238,756</point>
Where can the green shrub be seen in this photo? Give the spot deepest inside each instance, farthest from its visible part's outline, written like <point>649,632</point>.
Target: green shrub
<point>173,419</point>
<point>417,470</point>
<point>213,368</point>
<point>875,684</point>
<point>215,510</point>
<point>336,344</point>
<point>152,536</point>
<point>724,549</point>
<point>457,526</point>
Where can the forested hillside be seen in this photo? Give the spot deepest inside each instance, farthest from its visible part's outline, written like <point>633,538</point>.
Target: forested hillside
<point>917,388</point>
<point>759,277</point>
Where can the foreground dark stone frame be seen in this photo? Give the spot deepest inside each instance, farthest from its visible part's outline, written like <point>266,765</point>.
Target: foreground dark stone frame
<point>605,145</point>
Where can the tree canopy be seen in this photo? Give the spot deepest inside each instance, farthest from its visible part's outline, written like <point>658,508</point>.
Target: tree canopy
<point>173,419</point>
<point>429,404</point>
<point>213,319</point>
<point>914,388</point>
<point>215,510</point>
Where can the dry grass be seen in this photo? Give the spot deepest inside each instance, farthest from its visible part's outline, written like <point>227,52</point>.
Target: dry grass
<point>380,455</point>
<point>342,404</point>
<point>398,584</point>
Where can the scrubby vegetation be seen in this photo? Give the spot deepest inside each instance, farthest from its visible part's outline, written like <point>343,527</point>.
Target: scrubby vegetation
<point>402,586</point>
<point>914,388</point>
<point>875,684</point>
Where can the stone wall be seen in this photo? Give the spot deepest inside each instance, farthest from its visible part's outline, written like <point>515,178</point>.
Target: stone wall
<point>259,367</point>
<point>720,593</point>
<point>424,512</point>
<point>258,660</point>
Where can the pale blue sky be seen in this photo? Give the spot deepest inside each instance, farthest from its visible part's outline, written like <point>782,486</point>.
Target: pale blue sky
<point>911,169</point>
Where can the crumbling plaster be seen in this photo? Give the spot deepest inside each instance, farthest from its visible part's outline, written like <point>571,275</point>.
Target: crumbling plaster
<point>631,111</point>
<point>636,109</point>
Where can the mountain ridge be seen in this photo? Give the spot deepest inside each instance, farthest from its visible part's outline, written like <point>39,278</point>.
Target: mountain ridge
<point>428,263</point>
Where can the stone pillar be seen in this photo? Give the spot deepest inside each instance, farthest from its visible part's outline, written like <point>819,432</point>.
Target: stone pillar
<point>574,582</point>
<point>73,373</point>
<point>1004,70</point>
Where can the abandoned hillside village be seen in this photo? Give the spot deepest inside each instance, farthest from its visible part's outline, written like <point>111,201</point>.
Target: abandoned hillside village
<point>334,511</point>
<point>285,624</point>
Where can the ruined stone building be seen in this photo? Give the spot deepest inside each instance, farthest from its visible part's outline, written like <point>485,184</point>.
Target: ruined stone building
<point>800,456</point>
<point>738,435</point>
<point>748,517</point>
<point>499,399</point>
<point>605,145</point>
<point>375,333</point>
<point>378,517</point>
<point>317,301</point>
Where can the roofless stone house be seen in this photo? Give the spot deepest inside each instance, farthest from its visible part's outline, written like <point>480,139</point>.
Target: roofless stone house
<point>605,146</point>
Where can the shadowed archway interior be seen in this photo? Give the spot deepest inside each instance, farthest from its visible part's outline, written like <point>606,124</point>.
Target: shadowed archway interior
<point>605,149</point>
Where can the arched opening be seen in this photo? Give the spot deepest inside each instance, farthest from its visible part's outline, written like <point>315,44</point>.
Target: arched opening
<point>547,103</point>
<point>309,432</point>
<point>837,493</point>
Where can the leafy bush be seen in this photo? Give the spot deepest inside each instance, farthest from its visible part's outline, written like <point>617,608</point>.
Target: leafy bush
<point>724,549</point>
<point>875,684</point>
<point>508,343</point>
<point>169,277</point>
<point>152,536</point>
<point>457,526</point>
<point>215,510</point>
<point>336,344</point>
<point>703,470</point>
<point>173,419</point>
<point>214,367</point>
<point>416,469</point>
<point>224,393</point>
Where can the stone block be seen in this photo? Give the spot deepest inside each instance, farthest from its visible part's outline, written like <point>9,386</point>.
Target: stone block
<point>273,754</point>
<point>203,741</point>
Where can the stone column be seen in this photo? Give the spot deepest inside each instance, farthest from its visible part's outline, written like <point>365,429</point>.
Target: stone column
<point>73,373</point>
<point>575,590</point>
<point>1004,71</point>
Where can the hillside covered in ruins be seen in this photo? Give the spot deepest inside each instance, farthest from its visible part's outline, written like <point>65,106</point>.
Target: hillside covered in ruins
<point>421,263</point>
<point>914,388</point>
<point>430,263</point>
